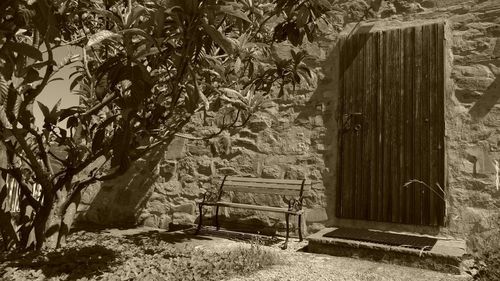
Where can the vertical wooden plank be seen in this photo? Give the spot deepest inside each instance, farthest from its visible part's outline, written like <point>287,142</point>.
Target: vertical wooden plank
<point>387,126</point>
<point>401,120</point>
<point>432,134</point>
<point>358,80</point>
<point>353,138</point>
<point>394,126</point>
<point>409,128</point>
<point>424,132</point>
<point>418,124</point>
<point>367,128</point>
<point>440,128</point>
<point>380,128</point>
<point>360,189</point>
<point>350,141</point>
<point>340,164</point>
<point>373,139</point>
<point>345,134</point>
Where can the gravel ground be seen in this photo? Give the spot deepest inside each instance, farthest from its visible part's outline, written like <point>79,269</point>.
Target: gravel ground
<point>315,267</point>
<point>118,254</point>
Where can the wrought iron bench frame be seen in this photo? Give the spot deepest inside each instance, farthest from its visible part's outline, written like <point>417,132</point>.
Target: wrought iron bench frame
<point>296,188</point>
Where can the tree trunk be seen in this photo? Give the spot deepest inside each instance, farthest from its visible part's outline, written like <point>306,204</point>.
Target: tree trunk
<point>67,219</point>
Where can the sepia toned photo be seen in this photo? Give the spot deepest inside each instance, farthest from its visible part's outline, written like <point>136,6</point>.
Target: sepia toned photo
<point>250,140</point>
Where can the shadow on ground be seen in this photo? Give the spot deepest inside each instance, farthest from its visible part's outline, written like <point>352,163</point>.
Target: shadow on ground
<point>74,263</point>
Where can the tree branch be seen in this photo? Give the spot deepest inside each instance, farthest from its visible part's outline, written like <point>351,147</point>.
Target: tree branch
<point>102,104</point>
<point>36,167</point>
<point>41,147</point>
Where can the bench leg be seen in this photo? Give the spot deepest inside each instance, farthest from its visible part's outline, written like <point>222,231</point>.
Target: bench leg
<point>200,208</point>
<point>287,219</point>
<point>217,218</point>
<point>300,228</point>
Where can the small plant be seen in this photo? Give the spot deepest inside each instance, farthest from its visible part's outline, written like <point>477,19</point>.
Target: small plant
<point>98,256</point>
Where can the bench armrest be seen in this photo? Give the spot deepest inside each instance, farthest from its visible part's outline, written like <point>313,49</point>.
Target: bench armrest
<point>294,204</point>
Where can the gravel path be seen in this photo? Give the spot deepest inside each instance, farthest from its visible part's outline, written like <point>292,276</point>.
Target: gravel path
<point>316,267</point>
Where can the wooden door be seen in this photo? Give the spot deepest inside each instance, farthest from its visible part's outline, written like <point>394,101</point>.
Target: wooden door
<point>391,160</point>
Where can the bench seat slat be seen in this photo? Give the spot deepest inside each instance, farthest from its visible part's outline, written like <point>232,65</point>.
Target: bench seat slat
<point>253,207</point>
<point>278,181</point>
<point>263,185</point>
<point>277,191</point>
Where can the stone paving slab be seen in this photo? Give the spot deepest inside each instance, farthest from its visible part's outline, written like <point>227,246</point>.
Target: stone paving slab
<point>446,255</point>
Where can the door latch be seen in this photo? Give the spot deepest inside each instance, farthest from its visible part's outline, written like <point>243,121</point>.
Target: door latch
<point>352,120</point>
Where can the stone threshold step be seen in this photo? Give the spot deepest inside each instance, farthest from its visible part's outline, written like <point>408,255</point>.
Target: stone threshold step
<point>446,255</point>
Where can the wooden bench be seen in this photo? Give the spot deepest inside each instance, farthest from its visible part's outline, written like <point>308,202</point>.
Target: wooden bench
<point>296,189</point>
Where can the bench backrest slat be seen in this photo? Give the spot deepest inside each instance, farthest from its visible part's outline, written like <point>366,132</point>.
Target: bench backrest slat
<point>289,192</point>
<point>266,186</point>
<point>278,181</point>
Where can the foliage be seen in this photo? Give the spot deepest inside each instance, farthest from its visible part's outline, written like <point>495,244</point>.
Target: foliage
<point>104,257</point>
<point>146,68</point>
<point>487,259</point>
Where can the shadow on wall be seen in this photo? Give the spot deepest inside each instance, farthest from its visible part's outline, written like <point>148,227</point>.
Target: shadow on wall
<point>322,113</point>
<point>118,202</point>
<point>487,101</point>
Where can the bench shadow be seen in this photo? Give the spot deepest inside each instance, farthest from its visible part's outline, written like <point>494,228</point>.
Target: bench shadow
<point>168,237</point>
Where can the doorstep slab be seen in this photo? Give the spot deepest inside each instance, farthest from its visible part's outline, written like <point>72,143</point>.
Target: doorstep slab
<point>446,255</point>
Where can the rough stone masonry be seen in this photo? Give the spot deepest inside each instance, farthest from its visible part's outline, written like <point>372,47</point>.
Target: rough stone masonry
<point>295,137</point>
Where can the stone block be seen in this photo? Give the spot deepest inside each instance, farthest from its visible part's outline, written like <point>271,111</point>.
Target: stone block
<point>151,221</point>
<point>481,159</point>
<point>295,173</point>
<point>316,215</point>
<point>157,207</point>
<point>188,208</point>
<point>477,70</point>
<point>167,169</point>
<point>183,219</point>
<point>176,149</point>
<point>228,171</point>
<point>246,143</point>
<point>474,83</point>
<point>245,133</point>
<point>271,172</point>
<point>169,188</point>
<point>199,150</point>
<point>206,166</point>
<point>164,222</point>
<point>258,124</point>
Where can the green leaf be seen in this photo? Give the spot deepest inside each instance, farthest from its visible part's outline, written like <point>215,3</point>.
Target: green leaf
<point>4,90</point>
<point>31,76</point>
<point>219,38</point>
<point>12,98</point>
<point>101,36</point>
<point>235,12</point>
<point>109,15</point>
<point>137,31</point>
<point>98,139</point>
<point>72,122</point>
<point>24,49</point>
<point>75,82</point>
<point>45,110</point>
<point>202,96</point>
<point>67,112</point>
<point>136,13</point>
<point>3,118</point>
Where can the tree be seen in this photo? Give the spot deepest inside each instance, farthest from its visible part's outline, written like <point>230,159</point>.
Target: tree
<point>146,68</point>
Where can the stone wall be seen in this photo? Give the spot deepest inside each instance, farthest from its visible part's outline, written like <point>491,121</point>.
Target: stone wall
<point>296,137</point>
